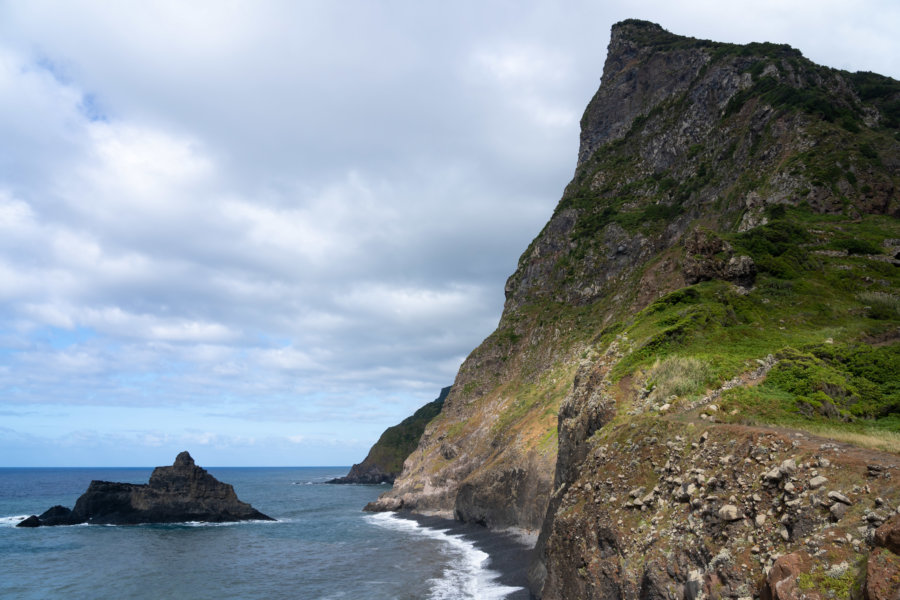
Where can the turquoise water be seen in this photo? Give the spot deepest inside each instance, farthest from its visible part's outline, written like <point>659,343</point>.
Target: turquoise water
<point>321,547</point>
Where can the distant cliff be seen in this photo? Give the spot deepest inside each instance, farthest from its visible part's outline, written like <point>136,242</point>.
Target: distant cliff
<point>385,459</point>
<point>692,387</point>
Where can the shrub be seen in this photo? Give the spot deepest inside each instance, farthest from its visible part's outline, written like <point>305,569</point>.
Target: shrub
<point>880,305</point>
<point>678,376</point>
<point>855,246</point>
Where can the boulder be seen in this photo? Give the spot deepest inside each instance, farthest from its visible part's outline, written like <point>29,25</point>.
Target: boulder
<point>838,510</point>
<point>817,482</point>
<point>181,493</point>
<point>839,497</point>
<point>888,535</point>
<point>882,575</point>
<point>730,512</point>
<point>781,583</point>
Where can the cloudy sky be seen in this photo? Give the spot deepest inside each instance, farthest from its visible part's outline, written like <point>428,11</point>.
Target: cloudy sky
<point>265,231</point>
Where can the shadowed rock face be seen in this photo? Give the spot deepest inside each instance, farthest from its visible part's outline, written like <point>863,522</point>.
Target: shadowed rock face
<point>180,493</point>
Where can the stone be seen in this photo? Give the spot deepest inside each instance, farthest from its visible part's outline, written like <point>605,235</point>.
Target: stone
<point>882,575</point>
<point>839,497</point>
<point>837,510</point>
<point>741,270</point>
<point>888,535</point>
<point>781,581</point>
<point>181,493</point>
<point>788,466</point>
<point>693,586</point>
<point>760,520</point>
<point>773,475</point>
<point>817,482</point>
<point>730,512</point>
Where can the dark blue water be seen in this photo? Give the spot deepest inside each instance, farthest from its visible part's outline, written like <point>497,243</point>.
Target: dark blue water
<point>322,545</point>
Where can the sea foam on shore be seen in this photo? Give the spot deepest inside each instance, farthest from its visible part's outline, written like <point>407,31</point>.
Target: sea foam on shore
<point>471,572</point>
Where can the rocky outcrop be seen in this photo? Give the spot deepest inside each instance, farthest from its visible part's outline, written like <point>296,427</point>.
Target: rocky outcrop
<point>385,459</point>
<point>707,256</point>
<point>723,233</point>
<point>883,565</point>
<point>181,493</point>
<point>681,510</point>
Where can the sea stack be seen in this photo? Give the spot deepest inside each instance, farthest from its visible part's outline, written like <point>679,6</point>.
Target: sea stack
<point>181,493</point>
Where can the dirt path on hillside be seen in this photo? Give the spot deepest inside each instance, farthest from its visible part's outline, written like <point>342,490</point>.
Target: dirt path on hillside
<point>851,454</point>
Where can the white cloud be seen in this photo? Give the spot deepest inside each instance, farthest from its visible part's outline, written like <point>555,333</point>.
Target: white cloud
<point>291,221</point>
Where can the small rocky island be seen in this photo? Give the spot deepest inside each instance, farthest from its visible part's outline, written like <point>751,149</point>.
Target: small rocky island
<point>181,493</point>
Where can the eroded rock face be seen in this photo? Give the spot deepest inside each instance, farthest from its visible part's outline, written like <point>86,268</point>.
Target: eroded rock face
<point>882,575</point>
<point>883,565</point>
<point>181,493</point>
<point>782,581</point>
<point>888,535</point>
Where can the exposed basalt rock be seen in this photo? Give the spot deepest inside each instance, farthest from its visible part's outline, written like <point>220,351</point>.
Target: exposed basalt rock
<point>385,460</point>
<point>888,535</point>
<point>707,256</point>
<point>181,493</point>
<point>882,575</point>
<point>883,565</point>
<point>782,581</point>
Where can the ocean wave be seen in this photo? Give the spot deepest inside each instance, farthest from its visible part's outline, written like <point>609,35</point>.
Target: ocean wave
<point>13,520</point>
<point>466,575</point>
<point>225,524</point>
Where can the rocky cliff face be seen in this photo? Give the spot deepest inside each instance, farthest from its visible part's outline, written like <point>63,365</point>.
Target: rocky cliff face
<point>181,493</point>
<point>714,300</point>
<point>385,459</point>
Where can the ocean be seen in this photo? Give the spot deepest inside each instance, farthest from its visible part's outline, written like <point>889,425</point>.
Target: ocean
<point>322,545</point>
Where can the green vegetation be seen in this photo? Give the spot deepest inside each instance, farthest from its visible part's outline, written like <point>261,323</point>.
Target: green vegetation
<point>881,91</point>
<point>880,305</point>
<point>812,100</point>
<point>837,583</point>
<point>651,34</point>
<point>535,404</point>
<point>852,383</point>
<point>679,376</point>
<point>821,276</point>
<point>812,310</point>
<point>776,248</point>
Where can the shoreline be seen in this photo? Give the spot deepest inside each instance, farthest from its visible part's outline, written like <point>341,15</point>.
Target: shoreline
<point>509,552</point>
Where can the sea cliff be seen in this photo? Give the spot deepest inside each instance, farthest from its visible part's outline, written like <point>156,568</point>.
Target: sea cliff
<point>692,388</point>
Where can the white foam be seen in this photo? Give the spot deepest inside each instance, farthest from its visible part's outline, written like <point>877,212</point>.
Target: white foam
<point>466,575</point>
<point>13,520</point>
<point>212,524</point>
